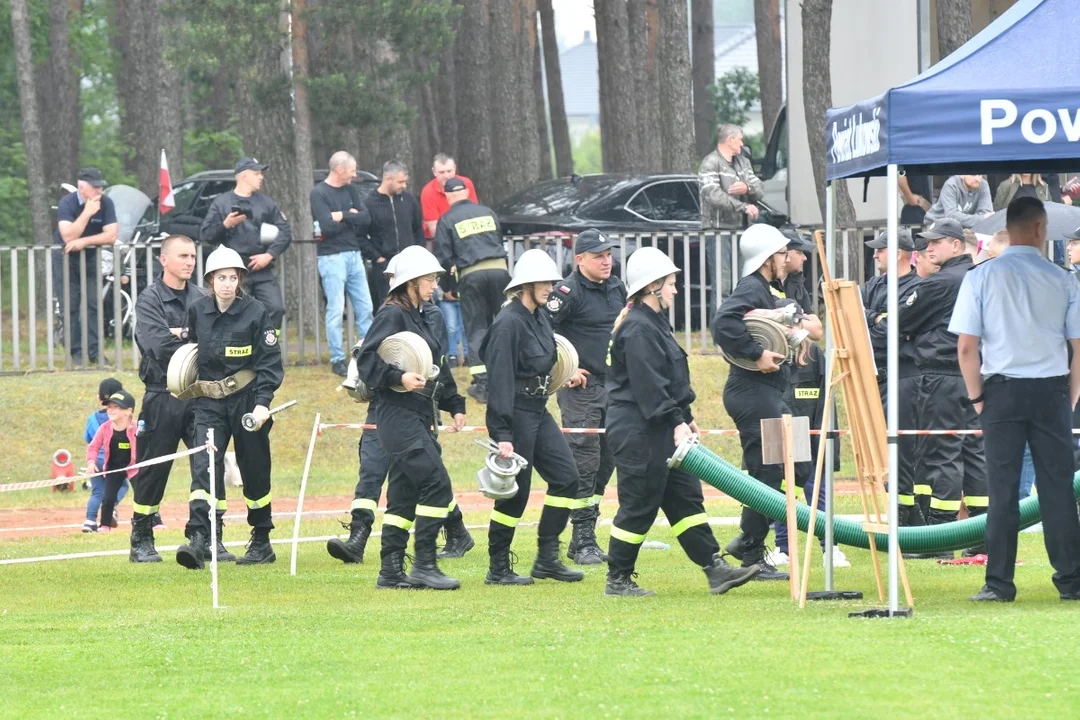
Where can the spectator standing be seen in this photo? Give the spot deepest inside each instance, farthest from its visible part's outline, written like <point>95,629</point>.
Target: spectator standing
<point>235,220</point>
<point>396,223</point>
<point>344,221</point>
<point>97,485</point>
<point>729,189</point>
<point>85,220</point>
<point>115,439</point>
<point>1018,186</point>
<point>917,192</point>
<point>964,198</point>
<point>1022,313</point>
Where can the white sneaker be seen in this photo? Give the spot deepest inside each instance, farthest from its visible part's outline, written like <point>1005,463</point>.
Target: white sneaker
<point>777,557</point>
<point>839,560</point>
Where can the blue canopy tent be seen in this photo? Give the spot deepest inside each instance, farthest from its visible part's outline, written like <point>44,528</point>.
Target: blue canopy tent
<point>1008,100</point>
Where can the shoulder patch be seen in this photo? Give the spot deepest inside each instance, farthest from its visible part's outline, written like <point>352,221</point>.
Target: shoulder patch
<point>564,289</point>
<point>554,304</point>
<point>270,338</point>
<point>911,298</point>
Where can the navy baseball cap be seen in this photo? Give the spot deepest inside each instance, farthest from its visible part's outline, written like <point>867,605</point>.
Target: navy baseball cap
<point>796,241</point>
<point>249,163</point>
<point>454,184</point>
<point>122,399</point>
<point>944,228</point>
<point>592,241</point>
<point>1074,235</point>
<point>107,387</point>
<point>91,176</point>
<point>903,240</point>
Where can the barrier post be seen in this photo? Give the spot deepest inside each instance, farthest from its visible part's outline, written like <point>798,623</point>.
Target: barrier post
<point>300,498</point>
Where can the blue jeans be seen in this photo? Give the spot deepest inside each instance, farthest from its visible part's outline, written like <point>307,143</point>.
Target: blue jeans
<point>343,273</point>
<point>781,527</point>
<point>97,492</point>
<point>455,329</point>
<point>1027,473</point>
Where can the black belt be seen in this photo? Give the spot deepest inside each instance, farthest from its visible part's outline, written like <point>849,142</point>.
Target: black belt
<point>534,386</point>
<point>995,379</point>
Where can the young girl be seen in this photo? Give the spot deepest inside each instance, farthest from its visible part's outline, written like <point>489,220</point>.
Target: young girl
<point>117,439</point>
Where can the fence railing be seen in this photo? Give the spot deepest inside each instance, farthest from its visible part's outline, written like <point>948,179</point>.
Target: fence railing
<point>45,294</point>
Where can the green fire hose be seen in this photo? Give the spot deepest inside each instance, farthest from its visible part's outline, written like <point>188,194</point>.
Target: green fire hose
<point>725,477</point>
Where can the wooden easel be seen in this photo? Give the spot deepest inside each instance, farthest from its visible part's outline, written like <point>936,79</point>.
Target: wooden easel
<point>853,368</point>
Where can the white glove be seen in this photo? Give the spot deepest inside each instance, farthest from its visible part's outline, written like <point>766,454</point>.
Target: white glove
<point>261,413</point>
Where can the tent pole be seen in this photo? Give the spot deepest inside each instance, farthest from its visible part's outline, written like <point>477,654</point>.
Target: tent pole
<point>830,258</point>
<point>893,382</point>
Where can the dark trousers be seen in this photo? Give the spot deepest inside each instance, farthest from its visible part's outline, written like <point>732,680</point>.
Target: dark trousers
<point>748,403</point>
<point>481,296</point>
<point>73,332</point>
<point>908,391</point>
<point>647,485</point>
<point>419,492</point>
<point>586,407</point>
<point>374,465</point>
<point>252,457</point>
<point>113,482</point>
<point>263,286</point>
<point>953,465</point>
<point>537,438</point>
<point>1035,411</point>
<point>164,422</point>
<point>378,284</point>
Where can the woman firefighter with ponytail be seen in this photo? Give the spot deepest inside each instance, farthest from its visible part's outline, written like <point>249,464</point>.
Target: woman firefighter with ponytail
<point>648,416</point>
<point>519,353</point>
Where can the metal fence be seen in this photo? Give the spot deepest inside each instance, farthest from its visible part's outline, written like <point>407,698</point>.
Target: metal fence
<point>37,302</point>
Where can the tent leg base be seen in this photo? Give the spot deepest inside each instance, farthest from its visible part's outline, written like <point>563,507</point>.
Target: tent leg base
<point>904,612</point>
<point>835,595</point>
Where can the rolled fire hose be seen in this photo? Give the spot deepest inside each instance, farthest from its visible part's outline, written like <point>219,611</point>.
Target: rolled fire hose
<point>183,368</point>
<point>406,351</point>
<point>725,477</point>
<point>772,336</point>
<point>566,364</point>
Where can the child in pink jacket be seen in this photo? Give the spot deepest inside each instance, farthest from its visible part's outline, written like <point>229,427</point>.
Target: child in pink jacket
<point>117,438</point>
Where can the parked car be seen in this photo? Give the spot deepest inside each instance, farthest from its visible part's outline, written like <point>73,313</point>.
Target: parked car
<point>660,206</point>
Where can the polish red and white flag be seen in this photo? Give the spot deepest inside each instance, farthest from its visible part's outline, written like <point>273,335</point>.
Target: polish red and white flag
<point>166,201</point>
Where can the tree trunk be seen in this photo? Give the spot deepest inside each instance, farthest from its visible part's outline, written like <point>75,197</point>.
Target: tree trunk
<point>471,81</point>
<point>644,26</point>
<point>703,72</point>
<point>444,106</point>
<point>220,101</point>
<point>560,129</point>
<point>524,19</point>
<point>618,108</point>
<point>770,61</point>
<point>63,123</point>
<point>953,25</point>
<point>673,58</point>
<point>543,145</point>
<point>506,135</point>
<point>31,130</point>
<point>302,176</point>
<point>817,96</point>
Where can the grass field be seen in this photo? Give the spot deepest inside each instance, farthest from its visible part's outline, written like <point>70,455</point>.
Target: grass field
<point>103,638</point>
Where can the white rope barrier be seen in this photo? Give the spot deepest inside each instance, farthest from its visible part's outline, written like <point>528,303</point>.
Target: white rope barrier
<point>78,478</point>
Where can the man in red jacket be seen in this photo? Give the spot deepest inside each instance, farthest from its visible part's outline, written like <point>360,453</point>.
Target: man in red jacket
<point>433,199</point>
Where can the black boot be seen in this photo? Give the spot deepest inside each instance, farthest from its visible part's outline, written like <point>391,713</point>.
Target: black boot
<point>458,539</point>
<point>142,540</point>
<point>194,553</point>
<point>501,570</point>
<point>979,549</point>
<point>737,547</point>
<point>910,516</point>
<point>575,532</point>
<point>223,555</point>
<point>259,549</point>
<point>426,573</point>
<point>392,573</point>
<point>622,585</point>
<point>352,550</point>
<point>588,551</point>
<point>478,391</point>
<point>548,565</point>
<point>722,577</point>
<point>755,555</point>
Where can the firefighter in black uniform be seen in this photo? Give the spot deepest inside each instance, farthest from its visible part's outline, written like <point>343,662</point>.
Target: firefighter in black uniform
<point>374,465</point>
<point>419,492</point>
<point>750,396</point>
<point>164,421</point>
<point>519,352</point>
<point>583,308</point>
<point>236,218</point>
<point>469,242</point>
<point>953,465</point>
<point>875,295</point>
<point>648,416</point>
<point>239,371</point>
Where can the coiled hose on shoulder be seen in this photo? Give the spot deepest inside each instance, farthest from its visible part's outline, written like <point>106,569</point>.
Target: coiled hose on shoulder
<point>725,477</point>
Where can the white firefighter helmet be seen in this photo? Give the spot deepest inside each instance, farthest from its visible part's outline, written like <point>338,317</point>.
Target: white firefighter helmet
<point>758,244</point>
<point>533,266</point>
<point>414,262</point>
<point>222,258</point>
<point>268,233</point>
<point>645,266</point>
<point>391,266</point>
<point>498,476</point>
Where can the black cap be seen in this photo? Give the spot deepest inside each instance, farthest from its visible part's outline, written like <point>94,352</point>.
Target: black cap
<point>122,399</point>
<point>249,163</point>
<point>454,184</point>
<point>592,241</point>
<point>944,228</point>
<point>903,240</point>
<point>107,387</point>
<point>796,241</point>
<point>91,176</point>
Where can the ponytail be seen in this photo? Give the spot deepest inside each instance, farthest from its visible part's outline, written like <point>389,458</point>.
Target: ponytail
<point>623,313</point>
